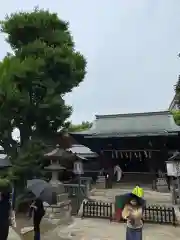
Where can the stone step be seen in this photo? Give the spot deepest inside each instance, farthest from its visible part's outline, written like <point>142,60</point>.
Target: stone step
<point>114,192</point>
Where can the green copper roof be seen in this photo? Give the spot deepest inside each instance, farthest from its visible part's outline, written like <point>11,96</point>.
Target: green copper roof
<point>135,124</point>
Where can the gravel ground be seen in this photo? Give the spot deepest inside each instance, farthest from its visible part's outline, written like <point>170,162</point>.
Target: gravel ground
<point>95,229</point>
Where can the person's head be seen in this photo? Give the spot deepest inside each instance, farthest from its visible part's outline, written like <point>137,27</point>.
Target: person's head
<point>133,202</point>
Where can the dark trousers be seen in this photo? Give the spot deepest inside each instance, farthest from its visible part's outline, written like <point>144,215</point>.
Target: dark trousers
<point>133,234</point>
<point>36,222</point>
<point>4,231</point>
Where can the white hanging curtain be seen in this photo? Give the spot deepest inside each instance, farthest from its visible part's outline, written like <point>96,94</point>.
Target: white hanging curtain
<point>116,153</point>
<point>118,170</point>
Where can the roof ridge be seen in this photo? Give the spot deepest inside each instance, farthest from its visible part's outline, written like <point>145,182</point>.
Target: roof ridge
<point>133,114</point>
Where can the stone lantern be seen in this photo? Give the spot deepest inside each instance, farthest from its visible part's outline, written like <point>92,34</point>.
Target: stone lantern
<point>173,171</point>
<point>55,168</point>
<point>173,165</point>
<point>56,156</point>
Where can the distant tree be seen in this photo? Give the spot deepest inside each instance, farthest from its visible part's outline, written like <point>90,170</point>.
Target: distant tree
<point>43,67</point>
<point>80,127</point>
<point>176,115</point>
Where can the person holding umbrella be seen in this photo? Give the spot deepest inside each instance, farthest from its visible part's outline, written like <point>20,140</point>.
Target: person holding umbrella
<point>133,214</point>
<point>37,210</point>
<point>43,192</point>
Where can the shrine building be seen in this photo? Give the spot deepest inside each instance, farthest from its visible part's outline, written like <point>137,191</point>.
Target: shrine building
<point>138,142</point>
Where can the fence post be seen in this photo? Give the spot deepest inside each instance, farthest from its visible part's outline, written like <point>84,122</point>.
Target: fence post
<point>174,217</point>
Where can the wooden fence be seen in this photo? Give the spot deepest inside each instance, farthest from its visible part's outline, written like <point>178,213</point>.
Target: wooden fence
<point>97,210</point>
<point>152,213</point>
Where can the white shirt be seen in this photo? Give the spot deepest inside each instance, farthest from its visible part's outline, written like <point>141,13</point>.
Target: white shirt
<point>118,170</point>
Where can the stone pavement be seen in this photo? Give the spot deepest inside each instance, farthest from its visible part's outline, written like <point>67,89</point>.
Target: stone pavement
<point>98,229</point>
<point>151,196</point>
<point>95,229</point>
<point>13,235</point>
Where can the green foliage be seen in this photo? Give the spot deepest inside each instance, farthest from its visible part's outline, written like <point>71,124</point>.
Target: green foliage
<point>80,127</point>
<point>30,162</point>
<point>43,67</point>
<point>176,115</point>
<point>5,184</point>
<point>177,91</point>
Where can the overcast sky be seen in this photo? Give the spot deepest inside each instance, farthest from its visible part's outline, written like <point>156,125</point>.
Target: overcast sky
<point>131,47</point>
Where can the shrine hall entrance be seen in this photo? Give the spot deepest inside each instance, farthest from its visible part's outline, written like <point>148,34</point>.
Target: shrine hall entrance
<point>130,161</point>
<point>136,165</point>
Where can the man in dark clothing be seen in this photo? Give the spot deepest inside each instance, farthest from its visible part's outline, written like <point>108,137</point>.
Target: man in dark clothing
<point>5,208</point>
<point>37,209</point>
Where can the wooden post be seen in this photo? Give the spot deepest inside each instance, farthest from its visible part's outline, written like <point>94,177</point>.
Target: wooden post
<point>178,184</point>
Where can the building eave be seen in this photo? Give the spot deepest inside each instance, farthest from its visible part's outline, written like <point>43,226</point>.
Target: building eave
<point>132,125</point>
<point>127,135</point>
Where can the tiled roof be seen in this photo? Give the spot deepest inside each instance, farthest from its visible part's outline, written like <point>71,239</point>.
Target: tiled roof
<point>175,156</point>
<point>134,124</point>
<point>58,152</point>
<point>82,151</point>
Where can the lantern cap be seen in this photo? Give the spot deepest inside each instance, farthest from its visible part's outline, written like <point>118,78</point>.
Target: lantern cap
<point>174,157</point>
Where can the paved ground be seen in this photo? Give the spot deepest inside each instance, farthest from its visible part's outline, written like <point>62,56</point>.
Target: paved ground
<point>95,229</point>
<point>98,229</point>
<point>151,196</point>
<point>13,235</point>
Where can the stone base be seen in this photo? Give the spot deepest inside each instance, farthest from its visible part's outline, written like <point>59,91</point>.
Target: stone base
<point>58,186</point>
<point>61,211</point>
<point>62,197</point>
<point>101,182</point>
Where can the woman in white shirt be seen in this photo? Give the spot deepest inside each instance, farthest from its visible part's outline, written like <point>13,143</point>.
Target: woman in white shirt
<point>118,172</point>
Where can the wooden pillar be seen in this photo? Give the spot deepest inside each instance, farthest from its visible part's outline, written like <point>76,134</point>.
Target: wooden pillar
<point>152,165</point>
<point>106,163</point>
<point>164,158</point>
<point>152,162</point>
<point>110,177</point>
<point>162,165</point>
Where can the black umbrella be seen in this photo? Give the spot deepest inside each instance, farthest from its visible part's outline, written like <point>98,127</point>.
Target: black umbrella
<point>41,189</point>
<point>126,199</point>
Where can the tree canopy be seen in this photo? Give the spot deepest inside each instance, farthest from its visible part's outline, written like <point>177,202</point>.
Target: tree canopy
<point>34,78</point>
<point>80,127</point>
<point>176,115</point>
<point>177,92</point>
